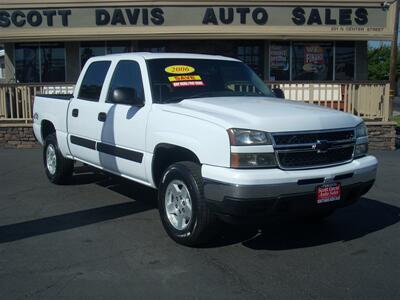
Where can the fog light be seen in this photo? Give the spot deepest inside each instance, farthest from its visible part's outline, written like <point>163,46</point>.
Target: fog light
<point>252,160</point>
<point>361,150</point>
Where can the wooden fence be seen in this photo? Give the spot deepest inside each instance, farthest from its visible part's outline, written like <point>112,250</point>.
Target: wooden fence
<point>369,100</point>
<point>16,101</point>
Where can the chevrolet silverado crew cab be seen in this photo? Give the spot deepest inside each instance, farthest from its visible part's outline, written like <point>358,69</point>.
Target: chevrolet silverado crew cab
<point>209,135</point>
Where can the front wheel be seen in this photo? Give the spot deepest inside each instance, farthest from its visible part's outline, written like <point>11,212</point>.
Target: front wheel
<point>184,213</point>
<point>58,169</point>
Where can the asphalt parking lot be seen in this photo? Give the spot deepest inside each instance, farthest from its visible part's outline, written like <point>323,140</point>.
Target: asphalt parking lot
<point>101,238</point>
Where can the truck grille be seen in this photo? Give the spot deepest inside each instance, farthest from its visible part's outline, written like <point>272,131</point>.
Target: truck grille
<point>303,150</point>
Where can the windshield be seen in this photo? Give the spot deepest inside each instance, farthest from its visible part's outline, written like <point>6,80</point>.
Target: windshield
<point>173,80</point>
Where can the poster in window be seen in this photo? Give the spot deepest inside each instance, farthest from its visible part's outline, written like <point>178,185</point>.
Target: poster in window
<point>279,57</point>
<point>280,62</point>
<point>312,61</point>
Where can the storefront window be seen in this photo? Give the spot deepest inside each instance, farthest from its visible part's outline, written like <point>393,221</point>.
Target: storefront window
<point>251,55</point>
<point>153,46</point>
<point>114,47</point>
<point>27,63</point>
<point>90,49</point>
<point>312,61</point>
<point>250,52</point>
<point>344,62</point>
<point>279,61</point>
<point>43,62</point>
<point>52,62</point>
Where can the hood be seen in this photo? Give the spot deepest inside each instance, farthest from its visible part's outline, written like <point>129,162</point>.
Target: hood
<point>266,114</point>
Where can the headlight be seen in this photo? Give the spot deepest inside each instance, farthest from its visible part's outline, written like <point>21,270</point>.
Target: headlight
<point>246,137</point>
<point>252,160</point>
<point>361,130</point>
<point>361,148</point>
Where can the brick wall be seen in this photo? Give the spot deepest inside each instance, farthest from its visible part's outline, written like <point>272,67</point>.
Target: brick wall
<point>17,136</point>
<point>382,135</point>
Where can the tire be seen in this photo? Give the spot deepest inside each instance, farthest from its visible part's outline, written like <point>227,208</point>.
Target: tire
<point>57,168</point>
<point>197,227</point>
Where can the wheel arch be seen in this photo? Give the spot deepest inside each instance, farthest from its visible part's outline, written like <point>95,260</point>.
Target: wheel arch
<point>46,128</point>
<point>166,154</point>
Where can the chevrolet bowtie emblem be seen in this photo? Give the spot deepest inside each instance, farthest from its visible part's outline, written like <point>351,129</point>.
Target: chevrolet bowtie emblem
<point>321,146</point>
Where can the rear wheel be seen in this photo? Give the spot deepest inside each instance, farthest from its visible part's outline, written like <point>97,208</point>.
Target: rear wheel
<point>184,213</point>
<point>58,169</point>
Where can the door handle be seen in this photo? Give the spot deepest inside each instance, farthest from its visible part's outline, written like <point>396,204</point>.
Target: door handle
<point>75,112</point>
<point>102,116</point>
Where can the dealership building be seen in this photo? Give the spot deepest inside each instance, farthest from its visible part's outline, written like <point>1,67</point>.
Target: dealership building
<point>50,40</point>
<point>315,50</point>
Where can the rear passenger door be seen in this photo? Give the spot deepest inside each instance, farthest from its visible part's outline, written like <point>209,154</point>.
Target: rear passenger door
<point>122,147</point>
<point>84,127</point>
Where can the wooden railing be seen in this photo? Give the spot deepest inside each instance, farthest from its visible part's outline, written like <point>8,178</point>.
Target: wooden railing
<point>16,100</point>
<point>366,99</point>
<point>369,100</point>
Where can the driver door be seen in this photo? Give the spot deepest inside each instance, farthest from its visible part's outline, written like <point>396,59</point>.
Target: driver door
<point>122,140</point>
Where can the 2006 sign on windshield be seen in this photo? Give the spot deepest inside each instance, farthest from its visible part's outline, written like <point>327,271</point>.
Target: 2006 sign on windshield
<point>179,69</point>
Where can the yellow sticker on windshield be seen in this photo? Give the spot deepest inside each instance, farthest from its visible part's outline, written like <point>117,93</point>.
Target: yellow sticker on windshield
<point>179,69</point>
<point>184,78</point>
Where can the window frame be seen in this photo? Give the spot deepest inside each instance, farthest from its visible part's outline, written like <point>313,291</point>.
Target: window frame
<point>107,99</point>
<point>106,45</point>
<point>260,56</point>
<point>65,63</point>
<point>39,45</point>
<point>304,44</point>
<point>269,68</point>
<point>354,62</point>
<point>334,61</point>
<point>86,73</point>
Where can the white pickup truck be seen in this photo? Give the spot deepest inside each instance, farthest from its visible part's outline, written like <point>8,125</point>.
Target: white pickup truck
<point>210,136</point>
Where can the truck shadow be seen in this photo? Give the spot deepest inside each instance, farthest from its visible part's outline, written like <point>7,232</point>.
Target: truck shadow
<point>144,199</point>
<point>365,217</point>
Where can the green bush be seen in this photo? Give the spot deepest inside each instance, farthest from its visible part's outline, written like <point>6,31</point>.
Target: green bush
<point>379,63</point>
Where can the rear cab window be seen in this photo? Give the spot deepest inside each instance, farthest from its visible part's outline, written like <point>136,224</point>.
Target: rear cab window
<point>93,80</point>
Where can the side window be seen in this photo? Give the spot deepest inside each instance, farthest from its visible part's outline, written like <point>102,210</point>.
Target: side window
<point>93,81</point>
<point>126,86</point>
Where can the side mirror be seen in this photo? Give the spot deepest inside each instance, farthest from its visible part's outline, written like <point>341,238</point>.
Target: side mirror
<point>124,95</point>
<point>279,93</point>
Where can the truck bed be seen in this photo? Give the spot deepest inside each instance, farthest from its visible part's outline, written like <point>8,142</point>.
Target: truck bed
<point>50,108</point>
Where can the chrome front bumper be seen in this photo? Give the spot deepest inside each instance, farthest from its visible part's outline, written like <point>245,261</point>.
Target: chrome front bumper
<point>279,186</point>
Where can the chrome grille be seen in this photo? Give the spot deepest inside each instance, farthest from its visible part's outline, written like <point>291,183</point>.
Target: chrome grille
<point>303,150</point>
<point>305,138</point>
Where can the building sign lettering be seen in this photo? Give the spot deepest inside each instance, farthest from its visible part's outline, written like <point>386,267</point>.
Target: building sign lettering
<point>347,16</point>
<point>256,16</point>
<point>33,18</point>
<point>273,21</point>
<point>130,16</point>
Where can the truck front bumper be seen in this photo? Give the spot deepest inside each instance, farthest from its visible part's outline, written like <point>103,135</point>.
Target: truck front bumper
<point>251,193</point>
